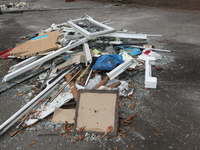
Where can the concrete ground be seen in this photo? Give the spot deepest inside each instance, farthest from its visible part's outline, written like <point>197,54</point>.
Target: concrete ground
<point>167,117</point>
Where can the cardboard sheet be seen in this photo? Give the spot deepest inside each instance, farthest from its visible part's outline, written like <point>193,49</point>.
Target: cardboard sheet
<point>97,110</point>
<point>63,115</point>
<point>75,58</point>
<point>41,44</point>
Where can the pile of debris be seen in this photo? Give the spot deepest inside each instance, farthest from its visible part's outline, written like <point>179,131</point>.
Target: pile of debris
<point>19,6</point>
<point>83,61</point>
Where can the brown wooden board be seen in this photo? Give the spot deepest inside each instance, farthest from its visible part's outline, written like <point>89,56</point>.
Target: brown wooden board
<point>41,44</point>
<point>97,110</point>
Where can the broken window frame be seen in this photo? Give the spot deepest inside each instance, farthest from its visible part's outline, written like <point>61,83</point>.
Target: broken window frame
<point>106,28</point>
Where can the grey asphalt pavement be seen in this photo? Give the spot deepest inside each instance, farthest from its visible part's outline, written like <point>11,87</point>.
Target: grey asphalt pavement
<point>167,117</point>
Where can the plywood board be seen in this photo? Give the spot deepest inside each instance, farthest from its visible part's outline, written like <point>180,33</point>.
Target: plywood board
<point>63,115</point>
<point>41,44</point>
<point>97,110</point>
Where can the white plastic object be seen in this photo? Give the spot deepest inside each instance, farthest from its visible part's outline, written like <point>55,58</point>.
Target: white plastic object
<point>119,69</point>
<point>93,82</point>
<point>150,82</point>
<point>149,53</point>
<point>88,56</point>
<point>42,60</point>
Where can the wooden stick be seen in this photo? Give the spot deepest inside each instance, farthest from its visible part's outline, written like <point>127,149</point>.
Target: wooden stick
<point>72,86</point>
<point>64,86</point>
<point>103,82</point>
<point>114,84</point>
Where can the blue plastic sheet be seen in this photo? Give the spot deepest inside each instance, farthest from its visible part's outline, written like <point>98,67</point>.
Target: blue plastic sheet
<point>131,50</point>
<point>107,62</point>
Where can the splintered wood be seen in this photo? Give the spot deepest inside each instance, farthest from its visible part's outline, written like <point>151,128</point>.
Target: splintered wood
<point>133,106</point>
<point>72,86</point>
<point>129,118</point>
<point>13,133</point>
<point>109,129</point>
<point>81,129</point>
<point>32,143</point>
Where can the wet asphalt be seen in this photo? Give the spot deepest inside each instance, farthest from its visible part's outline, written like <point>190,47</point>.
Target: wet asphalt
<point>167,117</point>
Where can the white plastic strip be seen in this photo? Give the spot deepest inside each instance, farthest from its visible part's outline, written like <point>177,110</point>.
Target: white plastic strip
<point>43,59</point>
<point>126,35</point>
<point>154,49</point>
<point>23,63</point>
<point>91,20</point>
<point>88,56</point>
<point>119,69</point>
<point>31,104</point>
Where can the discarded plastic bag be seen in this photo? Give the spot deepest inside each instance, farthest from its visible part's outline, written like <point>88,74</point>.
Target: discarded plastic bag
<point>124,90</point>
<point>107,62</point>
<point>149,53</point>
<point>93,82</point>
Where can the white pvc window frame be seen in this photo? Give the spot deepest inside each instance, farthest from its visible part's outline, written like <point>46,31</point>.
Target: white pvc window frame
<point>106,28</point>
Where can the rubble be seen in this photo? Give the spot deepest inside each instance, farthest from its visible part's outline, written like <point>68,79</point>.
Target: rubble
<point>85,57</point>
<point>20,7</point>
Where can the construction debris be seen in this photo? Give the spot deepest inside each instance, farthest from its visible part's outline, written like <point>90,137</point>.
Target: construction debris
<point>63,115</point>
<point>39,45</point>
<point>89,63</point>
<point>93,107</point>
<point>20,7</point>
